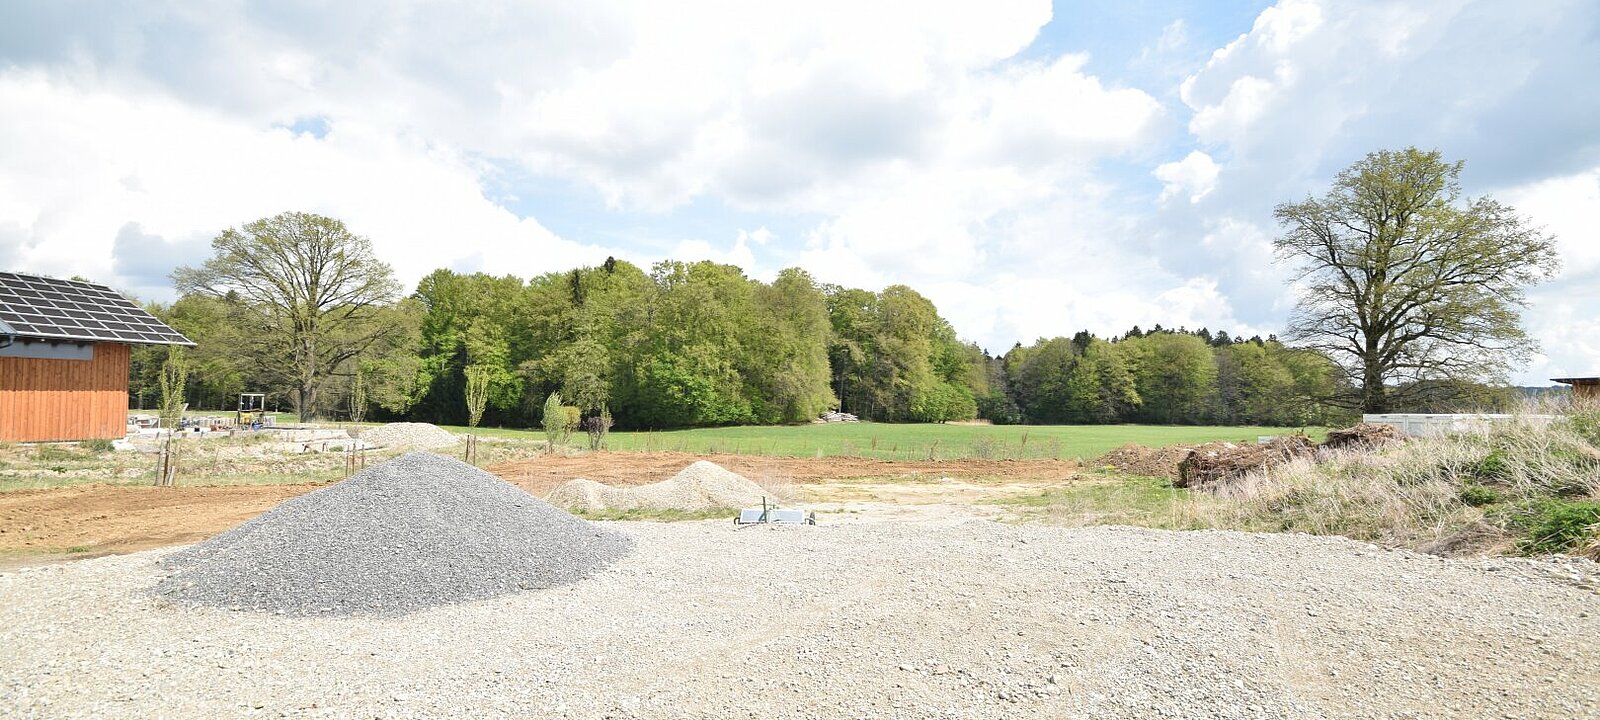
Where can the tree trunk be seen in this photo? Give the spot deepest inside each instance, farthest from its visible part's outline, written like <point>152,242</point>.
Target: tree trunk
<point>1374,398</point>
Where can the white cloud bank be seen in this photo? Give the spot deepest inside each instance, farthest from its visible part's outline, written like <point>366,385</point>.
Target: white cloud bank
<point>905,146</point>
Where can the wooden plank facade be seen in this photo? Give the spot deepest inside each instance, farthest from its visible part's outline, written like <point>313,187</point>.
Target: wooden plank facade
<point>1587,387</point>
<point>49,399</point>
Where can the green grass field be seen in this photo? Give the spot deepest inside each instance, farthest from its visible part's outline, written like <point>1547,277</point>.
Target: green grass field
<point>905,442</point>
<point>921,442</point>
<point>912,442</point>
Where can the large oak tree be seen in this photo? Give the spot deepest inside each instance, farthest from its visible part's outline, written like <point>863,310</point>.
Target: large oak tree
<point>1405,282</point>
<point>312,291</point>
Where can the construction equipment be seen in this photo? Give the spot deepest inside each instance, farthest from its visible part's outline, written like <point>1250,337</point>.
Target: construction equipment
<point>771,514</point>
<point>252,410</point>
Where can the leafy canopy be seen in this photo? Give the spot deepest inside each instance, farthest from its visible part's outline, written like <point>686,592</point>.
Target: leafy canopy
<point>1403,280</point>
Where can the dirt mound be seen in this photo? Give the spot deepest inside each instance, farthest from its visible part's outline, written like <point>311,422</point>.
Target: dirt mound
<point>1149,462</point>
<point>701,486</point>
<point>418,531</point>
<point>425,436</point>
<point>1363,435</point>
<point>1220,462</point>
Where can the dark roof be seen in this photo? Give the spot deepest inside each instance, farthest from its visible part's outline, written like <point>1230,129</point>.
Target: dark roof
<point>45,308</point>
<point>1577,381</point>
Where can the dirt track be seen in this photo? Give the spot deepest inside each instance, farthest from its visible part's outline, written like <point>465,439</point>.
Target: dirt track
<point>40,525</point>
<point>539,475</point>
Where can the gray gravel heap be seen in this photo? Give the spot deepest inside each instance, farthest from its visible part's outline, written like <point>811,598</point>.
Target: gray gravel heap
<point>423,436</point>
<point>418,531</point>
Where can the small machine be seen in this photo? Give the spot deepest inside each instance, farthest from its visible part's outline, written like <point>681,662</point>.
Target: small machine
<point>770,514</point>
<point>252,410</point>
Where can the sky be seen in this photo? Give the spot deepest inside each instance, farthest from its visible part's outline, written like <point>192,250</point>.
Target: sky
<point>1033,168</point>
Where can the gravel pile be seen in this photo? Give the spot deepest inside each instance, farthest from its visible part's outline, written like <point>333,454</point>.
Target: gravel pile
<point>418,531</point>
<point>704,485</point>
<point>423,436</point>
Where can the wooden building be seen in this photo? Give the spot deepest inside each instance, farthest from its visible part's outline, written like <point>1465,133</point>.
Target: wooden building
<point>1588,387</point>
<point>64,347</point>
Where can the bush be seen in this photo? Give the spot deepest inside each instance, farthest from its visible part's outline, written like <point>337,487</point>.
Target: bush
<point>1493,467</point>
<point>555,421</point>
<point>1552,526</point>
<point>1478,496</point>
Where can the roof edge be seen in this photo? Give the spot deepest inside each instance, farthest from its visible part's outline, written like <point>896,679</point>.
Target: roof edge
<point>86,339</point>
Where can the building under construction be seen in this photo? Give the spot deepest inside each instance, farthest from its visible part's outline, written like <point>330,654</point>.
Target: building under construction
<point>64,347</point>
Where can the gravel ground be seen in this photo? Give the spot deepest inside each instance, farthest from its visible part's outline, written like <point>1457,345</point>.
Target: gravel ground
<point>417,531</point>
<point>879,620</point>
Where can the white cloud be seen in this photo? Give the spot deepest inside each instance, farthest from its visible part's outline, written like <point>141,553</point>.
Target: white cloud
<point>1195,175</point>
<point>739,253</point>
<point>889,143</point>
<point>1313,86</point>
<point>1567,207</point>
<point>93,162</point>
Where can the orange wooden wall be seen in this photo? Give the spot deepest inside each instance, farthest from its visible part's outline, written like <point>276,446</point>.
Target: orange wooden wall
<point>65,399</point>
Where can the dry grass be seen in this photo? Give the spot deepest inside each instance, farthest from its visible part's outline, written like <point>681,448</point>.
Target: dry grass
<point>777,484</point>
<point>1517,486</point>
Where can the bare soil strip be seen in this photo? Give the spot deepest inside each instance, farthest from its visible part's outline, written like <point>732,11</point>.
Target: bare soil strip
<point>91,520</point>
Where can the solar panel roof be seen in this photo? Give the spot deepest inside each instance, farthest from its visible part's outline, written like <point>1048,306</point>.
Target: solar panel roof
<point>32,306</point>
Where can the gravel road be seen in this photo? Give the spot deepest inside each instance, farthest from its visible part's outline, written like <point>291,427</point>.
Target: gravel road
<point>977,620</point>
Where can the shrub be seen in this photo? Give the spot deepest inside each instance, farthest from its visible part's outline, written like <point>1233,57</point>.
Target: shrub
<point>1478,495</point>
<point>574,420</point>
<point>1493,467</point>
<point>597,427</point>
<point>555,420</point>
<point>1551,526</point>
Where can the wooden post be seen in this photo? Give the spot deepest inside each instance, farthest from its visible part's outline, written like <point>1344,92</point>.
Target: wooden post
<point>167,464</point>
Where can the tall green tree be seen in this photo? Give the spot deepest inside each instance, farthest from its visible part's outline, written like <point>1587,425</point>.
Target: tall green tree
<point>1102,388</point>
<point>174,378</point>
<point>475,319</point>
<point>1175,375</point>
<point>788,360</point>
<point>478,378</point>
<point>306,282</point>
<point>1404,281</point>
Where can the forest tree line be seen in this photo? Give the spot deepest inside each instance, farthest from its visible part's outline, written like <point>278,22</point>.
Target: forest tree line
<point>698,344</point>
<point>1410,302</point>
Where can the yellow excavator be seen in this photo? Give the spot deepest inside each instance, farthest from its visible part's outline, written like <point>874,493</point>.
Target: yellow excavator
<point>252,408</point>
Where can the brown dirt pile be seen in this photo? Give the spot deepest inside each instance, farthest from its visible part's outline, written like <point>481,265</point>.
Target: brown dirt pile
<point>1221,462</point>
<point>1363,435</point>
<point>1149,462</point>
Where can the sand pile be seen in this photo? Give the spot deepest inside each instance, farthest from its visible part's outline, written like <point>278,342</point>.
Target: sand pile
<point>701,486</point>
<point>424,436</point>
<point>418,531</point>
